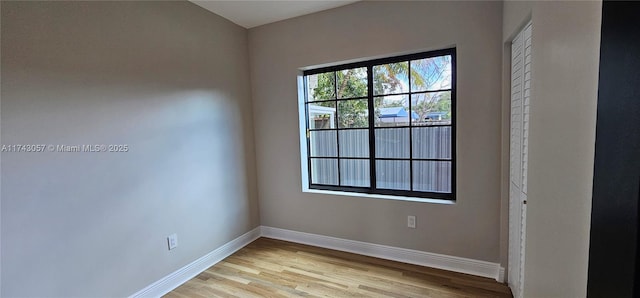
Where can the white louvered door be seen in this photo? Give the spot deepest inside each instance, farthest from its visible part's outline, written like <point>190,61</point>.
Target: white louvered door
<point>518,156</point>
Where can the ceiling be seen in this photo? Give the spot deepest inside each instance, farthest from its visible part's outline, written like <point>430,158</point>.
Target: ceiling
<point>250,14</point>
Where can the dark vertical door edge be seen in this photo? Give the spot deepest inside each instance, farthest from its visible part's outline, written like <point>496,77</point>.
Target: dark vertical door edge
<point>613,251</point>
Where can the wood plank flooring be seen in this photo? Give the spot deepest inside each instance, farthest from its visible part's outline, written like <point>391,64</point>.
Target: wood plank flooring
<point>274,268</point>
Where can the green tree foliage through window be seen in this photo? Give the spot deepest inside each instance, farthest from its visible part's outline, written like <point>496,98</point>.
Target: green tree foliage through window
<point>424,75</point>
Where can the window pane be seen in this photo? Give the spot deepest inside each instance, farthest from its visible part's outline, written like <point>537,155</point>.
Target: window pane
<point>431,74</point>
<point>354,172</point>
<point>323,143</point>
<point>354,143</point>
<point>324,171</point>
<point>321,86</point>
<point>392,142</point>
<point>390,78</point>
<point>392,174</point>
<point>431,142</point>
<point>433,176</point>
<point>392,110</point>
<point>322,114</point>
<point>412,118</point>
<point>431,108</point>
<point>353,113</point>
<point>352,83</point>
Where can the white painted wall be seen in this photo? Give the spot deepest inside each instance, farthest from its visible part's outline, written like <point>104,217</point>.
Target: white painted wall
<point>471,227</point>
<point>170,80</point>
<point>566,45</point>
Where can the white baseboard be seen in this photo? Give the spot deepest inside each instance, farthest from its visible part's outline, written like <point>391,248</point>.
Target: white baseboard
<point>451,263</point>
<point>182,275</point>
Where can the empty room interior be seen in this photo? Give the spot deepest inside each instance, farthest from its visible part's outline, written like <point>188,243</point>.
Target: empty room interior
<point>319,148</point>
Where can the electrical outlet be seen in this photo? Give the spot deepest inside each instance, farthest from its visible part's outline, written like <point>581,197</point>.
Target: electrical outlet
<point>411,221</point>
<point>172,240</point>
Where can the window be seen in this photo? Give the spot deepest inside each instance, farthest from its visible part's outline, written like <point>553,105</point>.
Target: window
<point>384,126</point>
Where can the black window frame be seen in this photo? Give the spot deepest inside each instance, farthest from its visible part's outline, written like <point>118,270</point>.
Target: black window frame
<point>372,189</point>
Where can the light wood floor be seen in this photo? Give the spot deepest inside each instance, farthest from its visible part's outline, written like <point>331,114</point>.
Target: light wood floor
<point>273,268</point>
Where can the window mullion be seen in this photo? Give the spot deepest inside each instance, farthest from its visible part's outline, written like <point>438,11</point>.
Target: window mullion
<point>337,124</point>
<point>372,134</point>
<point>410,129</point>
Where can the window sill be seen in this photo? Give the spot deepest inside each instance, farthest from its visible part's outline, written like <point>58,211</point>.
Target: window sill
<point>377,196</point>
